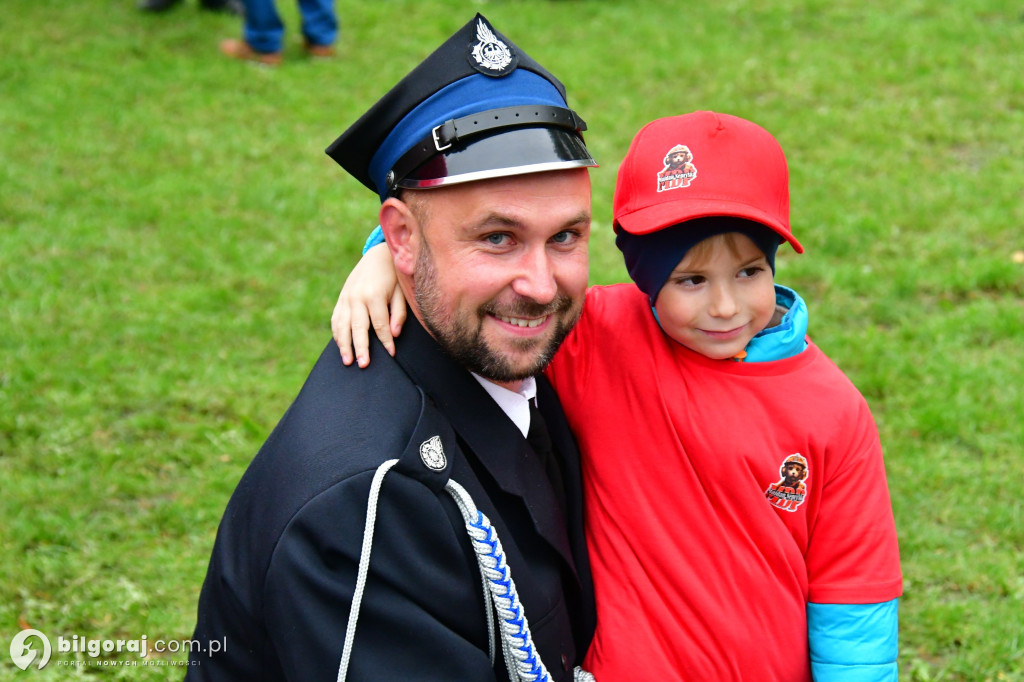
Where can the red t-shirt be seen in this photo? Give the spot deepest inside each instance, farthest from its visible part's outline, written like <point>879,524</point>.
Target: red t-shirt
<point>704,553</point>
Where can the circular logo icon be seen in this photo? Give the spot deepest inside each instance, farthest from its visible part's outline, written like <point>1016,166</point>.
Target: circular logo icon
<point>23,654</point>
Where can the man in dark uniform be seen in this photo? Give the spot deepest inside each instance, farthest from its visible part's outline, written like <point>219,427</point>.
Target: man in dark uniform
<point>482,174</point>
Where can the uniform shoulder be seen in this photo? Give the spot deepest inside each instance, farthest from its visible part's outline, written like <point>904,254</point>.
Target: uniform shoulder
<point>344,421</point>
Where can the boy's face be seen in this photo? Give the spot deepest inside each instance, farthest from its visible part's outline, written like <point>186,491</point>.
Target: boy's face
<point>716,305</point>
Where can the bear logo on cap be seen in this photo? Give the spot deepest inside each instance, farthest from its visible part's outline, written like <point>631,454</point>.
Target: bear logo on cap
<point>679,170</point>
<point>491,56</point>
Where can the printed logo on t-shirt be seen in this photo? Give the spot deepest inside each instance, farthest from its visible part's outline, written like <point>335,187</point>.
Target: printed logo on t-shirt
<point>679,170</point>
<point>789,493</point>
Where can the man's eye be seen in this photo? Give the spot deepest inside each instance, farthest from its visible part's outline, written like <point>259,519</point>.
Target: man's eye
<point>564,237</point>
<point>496,239</point>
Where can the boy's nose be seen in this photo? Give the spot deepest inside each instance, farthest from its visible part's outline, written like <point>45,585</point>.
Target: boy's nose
<point>723,302</point>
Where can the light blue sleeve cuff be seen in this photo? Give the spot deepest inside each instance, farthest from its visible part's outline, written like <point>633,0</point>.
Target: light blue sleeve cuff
<point>826,672</point>
<point>853,642</point>
<point>376,237</point>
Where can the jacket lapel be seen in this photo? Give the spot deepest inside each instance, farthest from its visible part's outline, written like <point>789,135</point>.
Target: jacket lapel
<point>490,436</point>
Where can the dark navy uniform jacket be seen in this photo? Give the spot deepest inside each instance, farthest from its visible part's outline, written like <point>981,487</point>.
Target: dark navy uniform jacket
<point>280,582</point>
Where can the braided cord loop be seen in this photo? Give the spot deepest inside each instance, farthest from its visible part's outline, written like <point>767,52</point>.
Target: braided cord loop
<point>521,659</point>
<point>514,625</point>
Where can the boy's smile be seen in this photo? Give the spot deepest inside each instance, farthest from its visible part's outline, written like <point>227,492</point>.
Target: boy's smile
<point>720,295</point>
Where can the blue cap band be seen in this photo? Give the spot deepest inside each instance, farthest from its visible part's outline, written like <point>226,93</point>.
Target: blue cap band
<point>469,95</point>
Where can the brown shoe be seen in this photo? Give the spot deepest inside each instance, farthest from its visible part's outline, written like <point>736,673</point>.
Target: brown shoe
<point>239,49</point>
<point>319,51</point>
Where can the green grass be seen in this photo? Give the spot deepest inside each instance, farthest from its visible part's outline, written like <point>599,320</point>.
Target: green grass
<point>172,238</point>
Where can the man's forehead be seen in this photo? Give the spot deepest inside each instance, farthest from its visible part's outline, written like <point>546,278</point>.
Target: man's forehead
<point>518,203</point>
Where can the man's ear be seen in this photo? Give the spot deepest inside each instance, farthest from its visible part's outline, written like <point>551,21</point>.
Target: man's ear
<point>401,230</point>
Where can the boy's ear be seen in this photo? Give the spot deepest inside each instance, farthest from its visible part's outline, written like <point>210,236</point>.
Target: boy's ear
<point>401,230</point>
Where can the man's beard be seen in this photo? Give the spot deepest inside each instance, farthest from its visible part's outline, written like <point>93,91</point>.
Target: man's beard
<point>461,336</point>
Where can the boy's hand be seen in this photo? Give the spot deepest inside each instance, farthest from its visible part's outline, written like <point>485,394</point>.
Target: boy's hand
<point>365,298</point>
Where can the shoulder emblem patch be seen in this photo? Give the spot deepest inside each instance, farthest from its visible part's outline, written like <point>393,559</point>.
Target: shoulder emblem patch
<point>432,453</point>
<point>789,492</point>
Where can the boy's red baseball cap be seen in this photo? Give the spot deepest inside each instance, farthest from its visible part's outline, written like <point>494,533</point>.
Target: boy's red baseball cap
<point>700,165</point>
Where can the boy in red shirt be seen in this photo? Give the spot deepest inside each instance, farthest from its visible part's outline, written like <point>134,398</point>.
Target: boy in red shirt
<point>738,517</point>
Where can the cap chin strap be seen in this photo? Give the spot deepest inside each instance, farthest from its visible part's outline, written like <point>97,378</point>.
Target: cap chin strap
<point>455,130</point>
<point>495,173</point>
<point>500,596</point>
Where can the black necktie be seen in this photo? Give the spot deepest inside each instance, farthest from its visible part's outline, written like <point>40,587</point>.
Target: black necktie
<point>540,440</point>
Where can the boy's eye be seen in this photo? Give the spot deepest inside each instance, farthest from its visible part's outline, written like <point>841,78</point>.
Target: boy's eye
<point>751,271</point>
<point>692,281</point>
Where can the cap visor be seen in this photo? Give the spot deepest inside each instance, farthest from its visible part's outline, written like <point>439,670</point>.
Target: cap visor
<point>660,216</point>
<point>511,152</point>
